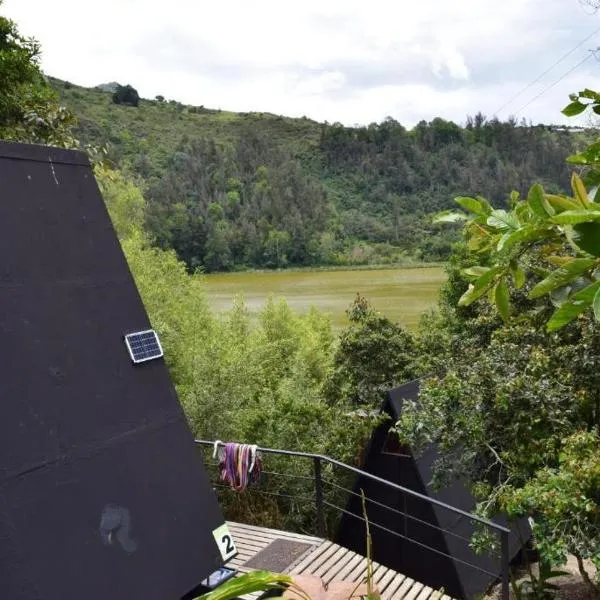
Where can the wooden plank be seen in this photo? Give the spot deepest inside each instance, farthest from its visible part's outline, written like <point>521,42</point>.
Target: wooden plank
<point>252,534</point>
<point>313,567</point>
<point>403,589</point>
<point>379,570</point>
<point>384,582</point>
<point>353,570</point>
<point>242,542</point>
<point>335,562</point>
<point>414,591</point>
<point>314,556</point>
<point>426,593</point>
<point>395,588</point>
<point>244,547</point>
<point>256,536</point>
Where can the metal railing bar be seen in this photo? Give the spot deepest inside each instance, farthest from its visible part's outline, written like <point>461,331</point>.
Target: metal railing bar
<point>264,493</point>
<point>215,464</point>
<point>409,492</point>
<point>288,476</point>
<point>406,515</point>
<point>412,541</point>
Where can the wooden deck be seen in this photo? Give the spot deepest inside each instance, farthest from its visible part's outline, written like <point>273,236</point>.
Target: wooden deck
<point>329,561</point>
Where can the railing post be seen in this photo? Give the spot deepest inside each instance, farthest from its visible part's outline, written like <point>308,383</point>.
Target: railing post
<point>505,564</point>
<point>319,497</point>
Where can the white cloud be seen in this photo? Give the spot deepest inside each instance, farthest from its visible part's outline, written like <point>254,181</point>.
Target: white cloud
<point>339,60</point>
<point>448,57</point>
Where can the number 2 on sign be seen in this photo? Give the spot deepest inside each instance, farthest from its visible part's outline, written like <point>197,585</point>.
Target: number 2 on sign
<point>225,542</point>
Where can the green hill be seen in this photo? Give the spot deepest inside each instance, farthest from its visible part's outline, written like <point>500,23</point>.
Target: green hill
<point>156,129</point>
<point>235,190</point>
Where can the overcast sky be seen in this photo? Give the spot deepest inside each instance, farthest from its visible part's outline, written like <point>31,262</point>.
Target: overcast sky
<point>354,61</point>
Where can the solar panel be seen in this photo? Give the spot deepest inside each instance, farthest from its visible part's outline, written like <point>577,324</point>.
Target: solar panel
<point>143,345</point>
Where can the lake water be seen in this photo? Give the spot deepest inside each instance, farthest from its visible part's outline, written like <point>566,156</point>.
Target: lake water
<point>400,294</point>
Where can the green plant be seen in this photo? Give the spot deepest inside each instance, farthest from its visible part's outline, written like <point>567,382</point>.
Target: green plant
<point>247,583</point>
<point>372,593</point>
<point>373,355</point>
<point>537,587</point>
<point>29,109</point>
<point>516,407</point>
<point>554,238</point>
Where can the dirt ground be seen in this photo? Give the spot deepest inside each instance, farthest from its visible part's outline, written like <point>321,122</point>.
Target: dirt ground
<point>572,586</point>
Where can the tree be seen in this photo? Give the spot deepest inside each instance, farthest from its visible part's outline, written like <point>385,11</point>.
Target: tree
<point>123,200</point>
<point>558,234</point>
<point>127,95</point>
<point>516,409</point>
<point>29,109</point>
<point>373,355</point>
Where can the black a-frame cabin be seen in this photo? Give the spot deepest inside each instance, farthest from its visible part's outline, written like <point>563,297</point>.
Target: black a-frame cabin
<point>102,493</point>
<point>433,545</point>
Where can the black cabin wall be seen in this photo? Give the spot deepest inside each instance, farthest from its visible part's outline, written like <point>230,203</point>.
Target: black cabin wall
<point>403,555</point>
<point>415,472</point>
<point>83,431</point>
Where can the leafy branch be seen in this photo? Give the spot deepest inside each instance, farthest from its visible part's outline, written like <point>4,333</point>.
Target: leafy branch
<point>563,231</point>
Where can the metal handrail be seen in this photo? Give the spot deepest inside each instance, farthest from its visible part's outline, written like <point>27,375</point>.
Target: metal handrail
<point>320,502</point>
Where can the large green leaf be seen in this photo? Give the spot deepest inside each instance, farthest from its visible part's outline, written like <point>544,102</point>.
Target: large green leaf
<point>596,305</point>
<point>518,275</point>
<point>574,109</point>
<point>587,237</point>
<point>577,159</point>
<point>247,583</point>
<point>475,205</point>
<point>479,287</point>
<point>537,202</point>
<point>449,217</point>
<point>527,233</point>
<point>476,271</point>
<point>572,217</point>
<point>560,203</point>
<point>589,156</point>
<point>561,276</point>
<point>579,191</point>
<point>592,176</point>
<point>590,95</point>
<point>502,299</point>
<point>502,220</point>
<point>572,308</point>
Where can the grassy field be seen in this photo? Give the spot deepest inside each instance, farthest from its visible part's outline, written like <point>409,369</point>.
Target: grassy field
<point>401,294</point>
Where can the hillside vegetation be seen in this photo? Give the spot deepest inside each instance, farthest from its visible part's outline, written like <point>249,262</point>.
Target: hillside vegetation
<point>238,190</point>
<point>513,405</point>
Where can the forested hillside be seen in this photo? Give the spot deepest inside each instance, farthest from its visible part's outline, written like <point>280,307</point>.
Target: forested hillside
<point>230,191</point>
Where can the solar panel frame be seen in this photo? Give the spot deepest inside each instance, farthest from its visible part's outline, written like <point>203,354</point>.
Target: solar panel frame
<point>144,349</point>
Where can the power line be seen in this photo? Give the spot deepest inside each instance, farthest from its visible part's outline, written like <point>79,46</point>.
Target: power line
<point>549,87</point>
<point>546,71</point>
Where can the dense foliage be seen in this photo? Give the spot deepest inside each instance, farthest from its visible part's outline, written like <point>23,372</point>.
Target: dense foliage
<point>230,191</point>
<point>516,409</point>
<point>561,233</point>
<point>126,94</point>
<point>238,377</point>
<point>249,205</point>
<point>372,356</point>
<point>514,405</point>
<point>29,110</point>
